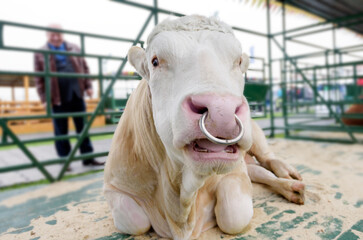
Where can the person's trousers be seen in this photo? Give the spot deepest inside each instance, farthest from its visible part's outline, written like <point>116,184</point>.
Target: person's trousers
<point>63,147</point>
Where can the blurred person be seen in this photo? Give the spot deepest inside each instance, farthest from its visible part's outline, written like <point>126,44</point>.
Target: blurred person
<point>66,93</point>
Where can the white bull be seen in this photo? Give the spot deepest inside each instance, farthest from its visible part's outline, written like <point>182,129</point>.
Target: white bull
<point>162,171</point>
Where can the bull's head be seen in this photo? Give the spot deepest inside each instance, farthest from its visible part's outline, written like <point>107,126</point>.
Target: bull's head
<point>194,67</point>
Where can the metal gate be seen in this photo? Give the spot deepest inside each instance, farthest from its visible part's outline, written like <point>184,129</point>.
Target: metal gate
<point>291,67</point>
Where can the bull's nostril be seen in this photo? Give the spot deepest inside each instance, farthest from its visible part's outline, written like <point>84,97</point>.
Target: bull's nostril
<point>238,109</point>
<point>196,108</point>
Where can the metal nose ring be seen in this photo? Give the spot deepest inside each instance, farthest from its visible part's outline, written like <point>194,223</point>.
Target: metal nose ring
<point>218,140</point>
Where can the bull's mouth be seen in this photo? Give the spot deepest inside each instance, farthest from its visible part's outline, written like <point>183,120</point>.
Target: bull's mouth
<point>205,150</point>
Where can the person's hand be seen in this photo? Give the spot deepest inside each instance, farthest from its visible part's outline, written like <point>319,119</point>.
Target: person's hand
<point>89,92</point>
<point>44,104</point>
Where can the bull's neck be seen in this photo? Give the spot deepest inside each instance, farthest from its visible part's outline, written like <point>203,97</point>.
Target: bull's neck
<point>180,188</point>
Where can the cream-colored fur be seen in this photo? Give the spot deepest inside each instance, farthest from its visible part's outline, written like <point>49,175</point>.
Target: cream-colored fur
<point>138,167</point>
<point>150,180</point>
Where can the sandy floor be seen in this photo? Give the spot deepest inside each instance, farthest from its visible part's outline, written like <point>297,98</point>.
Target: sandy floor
<point>333,207</point>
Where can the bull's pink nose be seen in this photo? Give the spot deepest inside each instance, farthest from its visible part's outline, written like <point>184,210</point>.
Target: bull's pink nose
<point>221,121</point>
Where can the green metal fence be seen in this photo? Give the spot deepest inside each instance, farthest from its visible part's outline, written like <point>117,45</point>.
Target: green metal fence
<point>7,133</point>
<point>290,67</point>
<point>256,89</point>
<point>333,85</point>
<point>47,74</point>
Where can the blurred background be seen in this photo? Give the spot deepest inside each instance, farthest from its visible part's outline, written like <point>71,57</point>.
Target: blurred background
<point>305,78</point>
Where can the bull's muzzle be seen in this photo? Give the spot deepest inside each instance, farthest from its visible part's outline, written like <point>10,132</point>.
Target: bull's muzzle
<point>216,140</point>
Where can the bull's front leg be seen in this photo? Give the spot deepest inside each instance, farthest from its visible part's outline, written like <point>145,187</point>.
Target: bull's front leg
<point>291,189</point>
<point>234,208</point>
<point>267,158</point>
<point>281,177</point>
<point>128,215</point>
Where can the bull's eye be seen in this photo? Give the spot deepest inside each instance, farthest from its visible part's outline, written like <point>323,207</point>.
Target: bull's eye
<point>240,61</point>
<point>155,61</point>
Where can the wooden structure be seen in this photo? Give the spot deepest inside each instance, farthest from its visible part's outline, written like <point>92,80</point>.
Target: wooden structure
<point>27,108</point>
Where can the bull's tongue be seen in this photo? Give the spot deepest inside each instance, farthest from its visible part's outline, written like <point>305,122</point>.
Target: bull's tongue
<point>204,143</point>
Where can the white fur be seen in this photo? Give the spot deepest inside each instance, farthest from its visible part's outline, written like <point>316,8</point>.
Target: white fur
<point>197,55</point>
<point>151,179</point>
<point>191,24</point>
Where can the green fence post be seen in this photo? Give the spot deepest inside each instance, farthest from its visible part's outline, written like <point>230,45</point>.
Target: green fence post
<point>100,81</point>
<point>296,100</point>
<point>355,82</point>
<point>283,85</point>
<point>335,62</point>
<point>264,81</point>
<point>292,99</point>
<point>284,99</point>
<point>1,35</point>
<point>272,122</point>
<point>47,80</point>
<point>328,77</point>
<point>340,62</point>
<point>82,45</point>
<point>156,12</point>
<point>315,85</point>
<point>4,137</point>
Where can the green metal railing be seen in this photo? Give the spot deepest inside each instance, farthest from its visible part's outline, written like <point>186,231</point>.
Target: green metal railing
<point>256,89</point>
<point>47,74</point>
<point>291,67</point>
<point>311,78</point>
<point>100,110</point>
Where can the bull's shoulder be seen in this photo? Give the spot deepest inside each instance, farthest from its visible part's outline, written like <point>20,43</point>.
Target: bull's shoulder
<point>136,151</point>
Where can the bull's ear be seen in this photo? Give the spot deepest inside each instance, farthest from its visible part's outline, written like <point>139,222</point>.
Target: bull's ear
<point>245,62</point>
<point>137,58</point>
